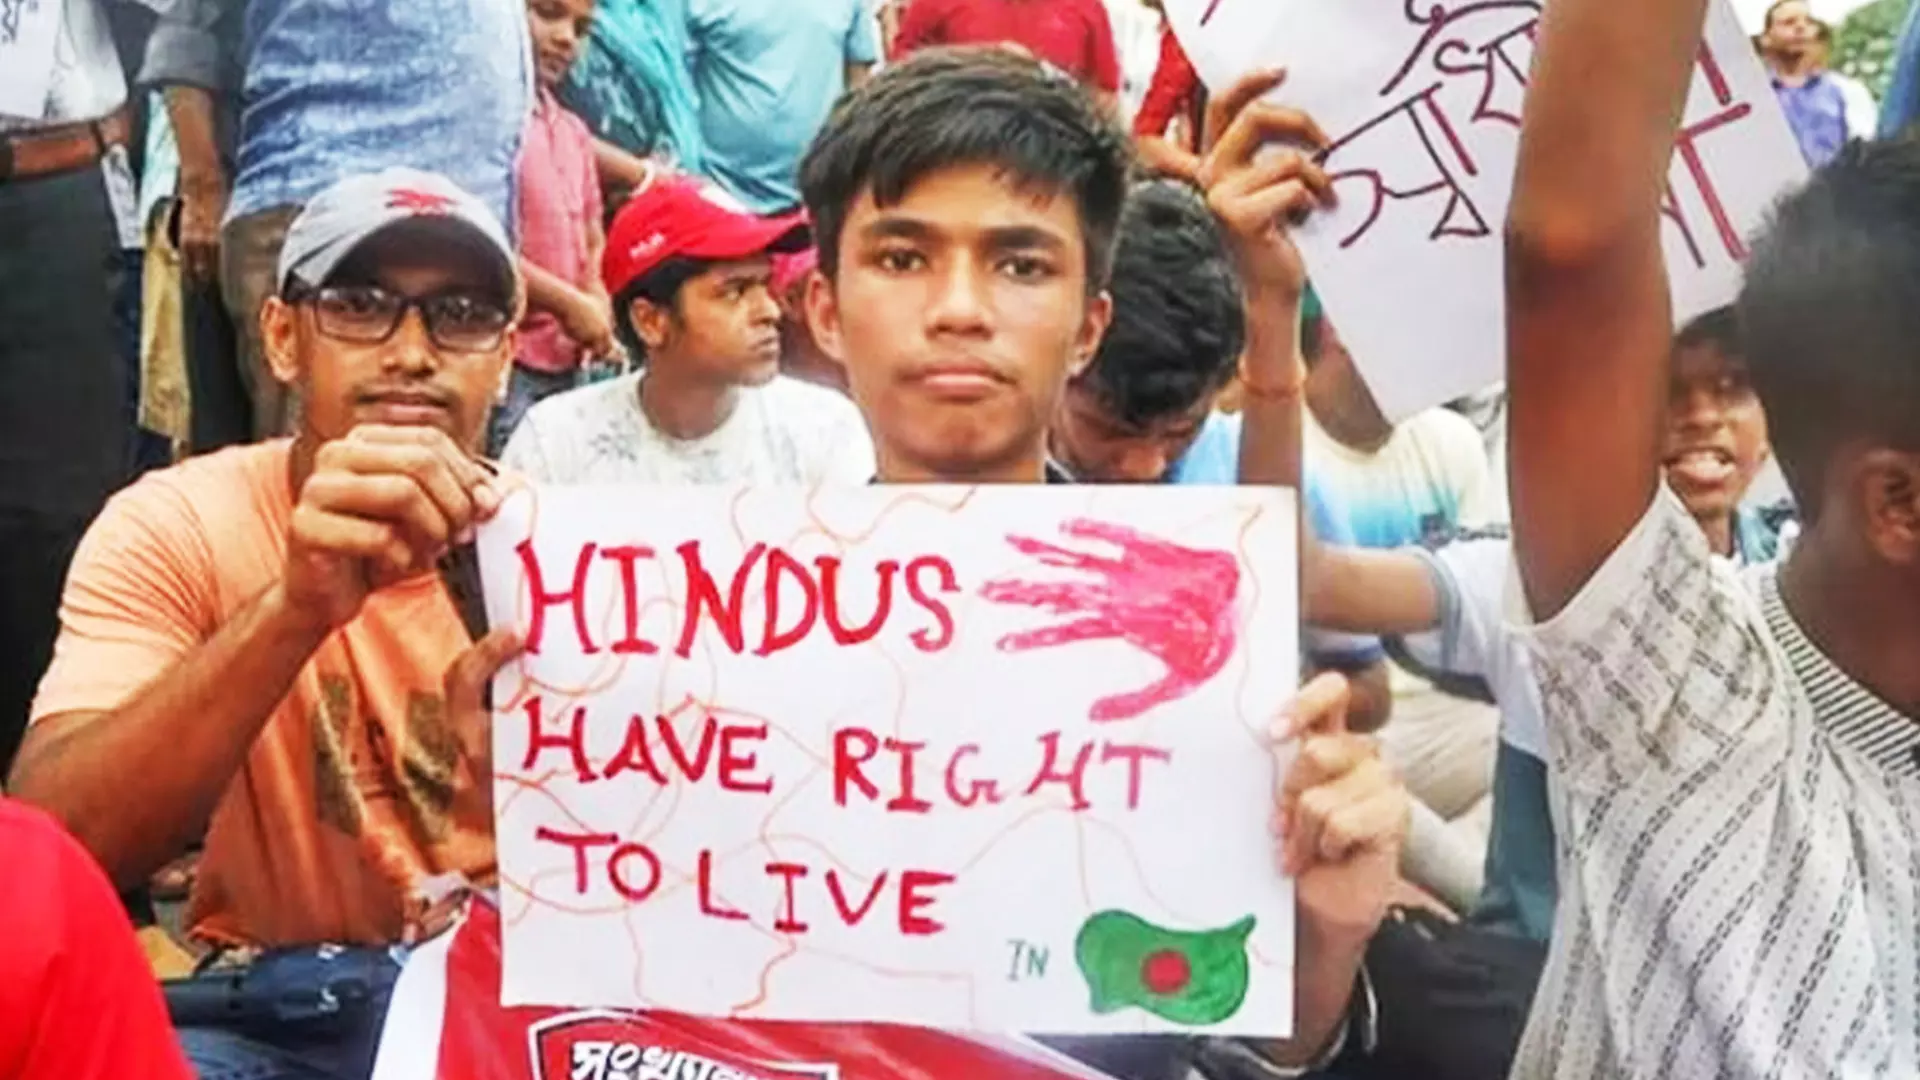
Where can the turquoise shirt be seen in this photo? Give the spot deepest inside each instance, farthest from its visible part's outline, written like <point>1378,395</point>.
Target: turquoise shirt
<point>766,73</point>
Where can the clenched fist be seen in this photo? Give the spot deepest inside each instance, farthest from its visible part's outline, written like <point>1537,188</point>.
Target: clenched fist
<point>381,505</point>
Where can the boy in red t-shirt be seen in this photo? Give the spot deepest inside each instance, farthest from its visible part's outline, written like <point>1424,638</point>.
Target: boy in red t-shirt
<point>77,999</point>
<point>569,316</point>
<point>1075,36</point>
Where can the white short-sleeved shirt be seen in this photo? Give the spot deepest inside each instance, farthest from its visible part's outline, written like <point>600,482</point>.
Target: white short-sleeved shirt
<point>786,432</point>
<point>1740,894</point>
<point>88,84</point>
<point>1474,637</point>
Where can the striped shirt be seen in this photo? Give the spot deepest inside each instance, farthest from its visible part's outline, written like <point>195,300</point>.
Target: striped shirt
<point>1740,893</point>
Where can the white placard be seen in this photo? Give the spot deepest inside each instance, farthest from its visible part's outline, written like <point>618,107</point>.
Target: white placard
<point>1423,100</point>
<point>983,759</point>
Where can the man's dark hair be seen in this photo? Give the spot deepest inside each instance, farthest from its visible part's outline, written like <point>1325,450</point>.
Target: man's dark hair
<point>968,106</point>
<point>662,286</point>
<point>1718,329</point>
<point>1828,313</point>
<point>1178,320</point>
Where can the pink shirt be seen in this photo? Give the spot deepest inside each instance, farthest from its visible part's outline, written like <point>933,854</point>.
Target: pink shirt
<point>559,199</point>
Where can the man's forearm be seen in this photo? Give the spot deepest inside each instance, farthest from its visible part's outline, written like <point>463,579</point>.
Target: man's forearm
<point>1597,142</point>
<point>1272,379</point>
<point>190,110</point>
<point>547,291</point>
<point>178,744</point>
<point>620,168</point>
<point>1326,973</point>
<point>1589,323</point>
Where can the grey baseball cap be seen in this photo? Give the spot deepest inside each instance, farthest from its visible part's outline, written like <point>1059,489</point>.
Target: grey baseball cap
<point>338,220</point>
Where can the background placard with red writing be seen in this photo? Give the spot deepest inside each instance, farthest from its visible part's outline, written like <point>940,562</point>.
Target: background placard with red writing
<point>1422,102</point>
<point>987,759</point>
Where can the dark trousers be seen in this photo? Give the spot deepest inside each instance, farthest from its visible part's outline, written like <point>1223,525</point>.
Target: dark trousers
<point>220,412</point>
<point>63,408</point>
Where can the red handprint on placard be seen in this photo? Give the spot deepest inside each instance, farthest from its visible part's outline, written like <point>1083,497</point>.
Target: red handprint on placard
<point>1174,603</point>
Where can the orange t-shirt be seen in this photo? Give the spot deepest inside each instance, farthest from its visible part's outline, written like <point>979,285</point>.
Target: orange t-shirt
<point>345,800</point>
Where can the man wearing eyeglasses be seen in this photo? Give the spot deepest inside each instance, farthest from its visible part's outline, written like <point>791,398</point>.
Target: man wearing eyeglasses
<point>257,641</point>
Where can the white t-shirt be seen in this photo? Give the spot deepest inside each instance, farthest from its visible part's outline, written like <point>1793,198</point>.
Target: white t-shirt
<point>1475,638</point>
<point>1431,477</point>
<point>1740,879</point>
<point>786,432</point>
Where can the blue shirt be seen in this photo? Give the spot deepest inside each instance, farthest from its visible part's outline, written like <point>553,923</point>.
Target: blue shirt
<point>1902,105</point>
<point>334,88</point>
<point>766,73</point>
<point>1214,458</point>
<point>631,84</point>
<point>1817,112</point>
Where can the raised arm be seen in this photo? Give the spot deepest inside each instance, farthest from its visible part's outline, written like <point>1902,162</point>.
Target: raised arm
<point>1588,318</point>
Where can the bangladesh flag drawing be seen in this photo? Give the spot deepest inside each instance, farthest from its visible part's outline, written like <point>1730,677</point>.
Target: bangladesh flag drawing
<point>1192,978</point>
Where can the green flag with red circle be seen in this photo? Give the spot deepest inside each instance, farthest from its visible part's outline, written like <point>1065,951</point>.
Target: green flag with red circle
<point>1193,978</point>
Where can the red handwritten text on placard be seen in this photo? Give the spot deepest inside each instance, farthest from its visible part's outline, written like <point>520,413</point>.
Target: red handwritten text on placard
<point>739,603</point>
<point>829,599</point>
<point>635,873</point>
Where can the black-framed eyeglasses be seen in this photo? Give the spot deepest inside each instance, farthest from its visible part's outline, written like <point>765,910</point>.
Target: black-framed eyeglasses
<point>369,314</point>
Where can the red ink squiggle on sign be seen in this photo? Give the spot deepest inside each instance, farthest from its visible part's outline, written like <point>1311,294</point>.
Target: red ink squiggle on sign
<point>1174,603</point>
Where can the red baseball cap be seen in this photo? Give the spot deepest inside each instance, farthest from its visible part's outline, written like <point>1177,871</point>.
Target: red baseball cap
<point>681,216</point>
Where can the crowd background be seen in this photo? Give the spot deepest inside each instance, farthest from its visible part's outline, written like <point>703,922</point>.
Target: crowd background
<point>145,219</point>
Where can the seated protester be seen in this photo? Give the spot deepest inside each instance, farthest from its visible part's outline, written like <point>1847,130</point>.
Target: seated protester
<point>1143,411</point>
<point>691,274</point>
<point>1450,600</point>
<point>966,204</point>
<point>256,640</point>
<point>1716,441</point>
<point>77,1000</point>
<point>1427,474</point>
<point>1733,753</point>
<point>1401,484</point>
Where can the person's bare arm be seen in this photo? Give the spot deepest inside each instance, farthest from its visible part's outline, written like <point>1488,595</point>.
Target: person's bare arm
<point>621,169</point>
<point>1588,316</point>
<point>596,248</point>
<point>179,742</point>
<point>1341,821</point>
<point>1345,589</point>
<point>1358,591</point>
<point>858,72</point>
<point>203,189</point>
<point>1339,886</point>
<point>582,313</point>
<point>379,506</point>
<point>548,291</point>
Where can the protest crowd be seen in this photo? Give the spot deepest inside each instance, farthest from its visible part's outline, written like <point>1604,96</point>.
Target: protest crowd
<point>1603,761</point>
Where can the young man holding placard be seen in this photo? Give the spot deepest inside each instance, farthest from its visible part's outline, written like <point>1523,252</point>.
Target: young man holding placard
<point>1735,754</point>
<point>965,205</point>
